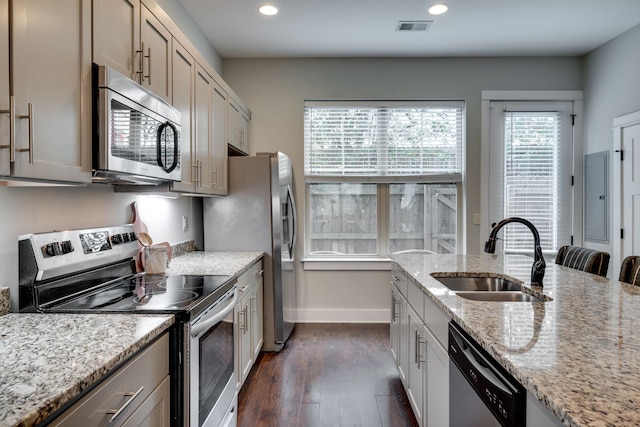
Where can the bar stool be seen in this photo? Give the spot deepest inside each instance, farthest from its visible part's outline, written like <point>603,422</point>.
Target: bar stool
<point>630,270</point>
<point>587,260</point>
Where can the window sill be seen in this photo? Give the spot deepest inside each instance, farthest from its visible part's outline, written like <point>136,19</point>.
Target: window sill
<point>347,264</point>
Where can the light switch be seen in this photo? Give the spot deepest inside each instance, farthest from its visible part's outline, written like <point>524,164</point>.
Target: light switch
<point>185,223</point>
<point>476,219</point>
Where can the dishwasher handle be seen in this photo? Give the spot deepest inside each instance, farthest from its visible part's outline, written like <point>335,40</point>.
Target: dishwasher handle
<point>500,392</point>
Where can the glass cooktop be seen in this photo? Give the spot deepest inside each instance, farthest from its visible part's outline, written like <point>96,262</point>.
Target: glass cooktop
<point>151,293</point>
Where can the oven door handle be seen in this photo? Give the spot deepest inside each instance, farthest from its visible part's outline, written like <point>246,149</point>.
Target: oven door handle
<point>214,316</point>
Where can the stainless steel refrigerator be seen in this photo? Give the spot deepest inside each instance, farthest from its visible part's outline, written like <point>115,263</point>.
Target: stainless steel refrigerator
<point>259,215</point>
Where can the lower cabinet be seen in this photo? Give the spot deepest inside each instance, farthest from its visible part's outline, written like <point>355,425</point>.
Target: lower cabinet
<point>248,314</point>
<point>418,350</point>
<point>137,394</point>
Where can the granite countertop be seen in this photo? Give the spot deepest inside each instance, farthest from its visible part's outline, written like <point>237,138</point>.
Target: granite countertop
<point>48,359</point>
<point>231,263</point>
<point>579,353</point>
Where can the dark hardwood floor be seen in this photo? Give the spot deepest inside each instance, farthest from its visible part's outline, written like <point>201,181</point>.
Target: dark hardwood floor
<point>327,375</point>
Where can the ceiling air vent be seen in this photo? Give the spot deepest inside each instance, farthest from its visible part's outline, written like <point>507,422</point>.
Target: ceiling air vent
<point>413,25</point>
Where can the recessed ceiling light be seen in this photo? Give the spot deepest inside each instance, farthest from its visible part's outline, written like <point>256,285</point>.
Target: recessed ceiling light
<point>438,9</point>
<point>268,9</point>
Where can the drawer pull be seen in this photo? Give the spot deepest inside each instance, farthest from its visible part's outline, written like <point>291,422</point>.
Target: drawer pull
<point>116,413</point>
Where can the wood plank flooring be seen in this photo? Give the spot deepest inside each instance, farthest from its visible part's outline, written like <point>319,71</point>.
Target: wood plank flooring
<point>327,375</point>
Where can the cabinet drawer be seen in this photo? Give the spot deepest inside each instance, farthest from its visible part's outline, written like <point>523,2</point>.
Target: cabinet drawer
<point>399,279</point>
<point>437,321</point>
<point>249,278</point>
<point>125,389</point>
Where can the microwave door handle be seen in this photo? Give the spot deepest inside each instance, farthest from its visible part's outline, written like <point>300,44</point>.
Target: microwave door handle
<point>161,149</point>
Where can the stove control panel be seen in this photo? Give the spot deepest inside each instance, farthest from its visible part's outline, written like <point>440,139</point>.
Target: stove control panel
<point>62,252</point>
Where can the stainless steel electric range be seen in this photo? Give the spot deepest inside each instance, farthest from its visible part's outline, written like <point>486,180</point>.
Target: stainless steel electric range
<point>94,270</point>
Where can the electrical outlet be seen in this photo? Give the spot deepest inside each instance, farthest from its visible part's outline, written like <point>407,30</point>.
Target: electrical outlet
<point>185,223</point>
<point>476,219</point>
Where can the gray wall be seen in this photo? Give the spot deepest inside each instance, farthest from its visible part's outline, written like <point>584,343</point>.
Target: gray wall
<point>275,90</point>
<point>611,89</point>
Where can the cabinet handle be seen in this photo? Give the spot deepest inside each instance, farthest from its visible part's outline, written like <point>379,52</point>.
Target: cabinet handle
<point>12,129</point>
<point>29,117</point>
<point>259,273</point>
<point>246,319</point>
<point>194,172</point>
<point>419,341</point>
<point>148,56</point>
<point>214,180</point>
<point>115,413</point>
<point>200,173</point>
<point>140,63</point>
<point>252,304</point>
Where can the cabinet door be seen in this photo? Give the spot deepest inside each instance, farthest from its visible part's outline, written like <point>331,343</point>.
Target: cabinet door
<point>116,36</point>
<point>245,352</point>
<point>394,324</point>
<point>417,358</point>
<point>184,72</point>
<point>154,411</point>
<point>218,148</point>
<point>257,337</point>
<point>437,382</point>
<point>237,127</point>
<point>202,126</point>
<point>156,52</point>
<point>51,63</point>
<point>4,88</point>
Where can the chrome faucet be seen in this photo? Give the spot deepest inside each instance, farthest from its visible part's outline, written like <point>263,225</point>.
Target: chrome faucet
<point>538,267</point>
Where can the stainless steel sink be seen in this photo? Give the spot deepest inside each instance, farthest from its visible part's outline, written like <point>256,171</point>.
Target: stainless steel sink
<point>507,296</point>
<point>479,288</point>
<point>470,283</point>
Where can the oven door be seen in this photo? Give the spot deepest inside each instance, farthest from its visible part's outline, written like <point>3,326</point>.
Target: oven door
<point>212,382</point>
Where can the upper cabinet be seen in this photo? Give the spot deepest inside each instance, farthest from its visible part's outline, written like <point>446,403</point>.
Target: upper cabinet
<point>45,120</point>
<point>130,39</point>
<point>238,128</point>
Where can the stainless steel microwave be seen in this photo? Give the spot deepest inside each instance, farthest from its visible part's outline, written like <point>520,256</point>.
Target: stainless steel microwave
<point>136,136</point>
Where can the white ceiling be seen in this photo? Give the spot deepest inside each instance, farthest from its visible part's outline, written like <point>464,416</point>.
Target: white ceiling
<point>367,28</point>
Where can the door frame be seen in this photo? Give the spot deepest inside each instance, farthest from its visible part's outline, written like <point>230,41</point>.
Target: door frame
<point>489,96</point>
<point>619,124</point>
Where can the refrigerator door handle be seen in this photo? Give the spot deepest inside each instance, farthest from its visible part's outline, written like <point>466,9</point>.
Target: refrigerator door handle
<point>292,204</point>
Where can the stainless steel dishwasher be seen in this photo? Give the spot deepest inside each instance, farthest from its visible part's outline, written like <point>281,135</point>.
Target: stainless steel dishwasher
<point>481,393</point>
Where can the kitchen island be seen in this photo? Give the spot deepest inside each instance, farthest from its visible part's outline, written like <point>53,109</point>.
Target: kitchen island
<point>578,354</point>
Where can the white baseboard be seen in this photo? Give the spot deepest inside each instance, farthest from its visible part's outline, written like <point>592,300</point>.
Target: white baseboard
<point>342,316</point>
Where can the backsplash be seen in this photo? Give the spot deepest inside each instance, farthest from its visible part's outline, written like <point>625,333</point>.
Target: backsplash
<point>183,248</point>
<point>4,301</point>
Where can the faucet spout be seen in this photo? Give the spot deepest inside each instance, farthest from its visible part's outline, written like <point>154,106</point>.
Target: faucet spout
<point>539,266</point>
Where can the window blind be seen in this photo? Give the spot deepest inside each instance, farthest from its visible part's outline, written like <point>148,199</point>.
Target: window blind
<point>532,153</point>
<point>383,141</point>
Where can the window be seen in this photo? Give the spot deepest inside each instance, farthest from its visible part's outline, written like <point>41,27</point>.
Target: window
<point>382,177</point>
<point>532,168</point>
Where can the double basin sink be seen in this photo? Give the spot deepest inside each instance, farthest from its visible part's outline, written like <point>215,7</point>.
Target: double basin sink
<point>479,288</point>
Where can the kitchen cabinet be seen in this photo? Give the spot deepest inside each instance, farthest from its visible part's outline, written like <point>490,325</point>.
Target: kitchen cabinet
<point>419,339</point>
<point>45,88</point>
<point>130,39</point>
<point>248,320</point>
<point>238,127</point>
<point>137,394</point>
<point>183,85</point>
<point>210,162</point>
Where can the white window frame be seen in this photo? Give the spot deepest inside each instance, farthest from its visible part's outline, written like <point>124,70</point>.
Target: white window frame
<point>521,96</point>
<point>381,262</point>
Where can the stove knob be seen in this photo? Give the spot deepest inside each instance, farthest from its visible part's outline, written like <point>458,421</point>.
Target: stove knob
<point>66,247</point>
<point>52,249</point>
<point>132,236</point>
<point>116,239</point>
